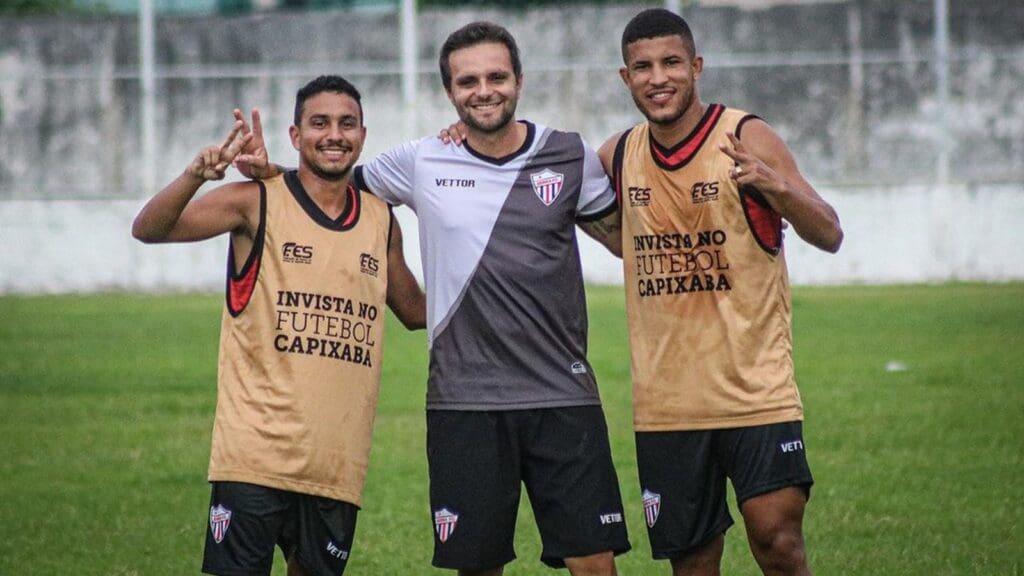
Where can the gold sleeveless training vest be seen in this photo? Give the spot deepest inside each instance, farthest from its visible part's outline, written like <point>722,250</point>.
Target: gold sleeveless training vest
<point>707,291</point>
<point>301,346</point>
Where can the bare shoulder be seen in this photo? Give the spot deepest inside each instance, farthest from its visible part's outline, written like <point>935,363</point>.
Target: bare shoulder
<point>760,138</point>
<point>607,151</point>
<point>234,198</point>
<point>242,194</point>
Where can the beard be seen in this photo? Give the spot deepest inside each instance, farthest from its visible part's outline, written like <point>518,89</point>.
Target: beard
<point>507,113</point>
<point>331,175</point>
<point>665,117</point>
<point>327,170</point>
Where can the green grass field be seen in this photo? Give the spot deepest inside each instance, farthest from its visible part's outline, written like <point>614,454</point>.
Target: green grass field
<point>106,405</point>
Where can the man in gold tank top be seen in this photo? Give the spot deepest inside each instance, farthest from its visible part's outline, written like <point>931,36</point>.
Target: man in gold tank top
<point>311,263</point>
<point>703,190</point>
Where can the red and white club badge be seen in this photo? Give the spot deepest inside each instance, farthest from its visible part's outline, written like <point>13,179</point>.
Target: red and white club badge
<point>220,519</point>
<point>444,523</point>
<point>652,507</point>
<point>547,185</point>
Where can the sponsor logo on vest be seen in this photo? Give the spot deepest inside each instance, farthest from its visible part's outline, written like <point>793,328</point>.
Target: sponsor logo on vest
<point>454,183</point>
<point>296,253</point>
<point>704,192</point>
<point>612,518</point>
<point>652,507</point>
<point>337,552</point>
<point>326,326</point>
<point>368,264</point>
<point>220,520</point>
<point>681,263</point>
<point>444,523</point>
<point>639,196</point>
<point>677,241</point>
<point>547,185</point>
<point>792,446</point>
<point>578,367</point>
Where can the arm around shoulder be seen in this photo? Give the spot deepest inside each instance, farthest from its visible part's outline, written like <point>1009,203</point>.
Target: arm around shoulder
<point>405,297</point>
<point>607,229</point>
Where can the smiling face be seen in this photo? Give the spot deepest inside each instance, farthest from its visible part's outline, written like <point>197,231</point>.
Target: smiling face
<point>330,135</point>
<point>661,74</point>
<point>484,87</point>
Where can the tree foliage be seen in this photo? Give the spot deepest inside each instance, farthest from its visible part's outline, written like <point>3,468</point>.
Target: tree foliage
<point>29,7</point>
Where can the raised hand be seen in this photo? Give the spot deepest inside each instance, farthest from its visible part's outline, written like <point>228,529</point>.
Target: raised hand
<point>212,161</point>
<point>765,163</point>
<point>253,161</point>
<point>749,169</point>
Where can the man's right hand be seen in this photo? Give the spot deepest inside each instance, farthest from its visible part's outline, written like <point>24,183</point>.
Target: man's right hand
<point>212,161</point>
<point>253,162</point>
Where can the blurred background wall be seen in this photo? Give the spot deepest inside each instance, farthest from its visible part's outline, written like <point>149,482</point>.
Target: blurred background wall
<point>907,116</point>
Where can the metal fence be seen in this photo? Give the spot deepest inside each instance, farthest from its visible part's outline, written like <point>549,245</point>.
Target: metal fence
<point>105,107</point>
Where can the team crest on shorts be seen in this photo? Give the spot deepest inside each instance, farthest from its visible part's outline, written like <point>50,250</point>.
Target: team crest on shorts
<point>444,523</point>
<point>652,507</point>
<point>547,185</point>
<point>220,519</point>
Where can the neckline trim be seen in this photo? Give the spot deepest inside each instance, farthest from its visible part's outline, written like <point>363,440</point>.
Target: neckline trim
<point>680,154</point>
<point>531,132</point>
<point>348,217</point>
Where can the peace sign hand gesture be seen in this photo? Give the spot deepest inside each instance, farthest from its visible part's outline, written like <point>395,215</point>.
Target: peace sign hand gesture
<point>212,161</point>
<point>253,161</point>
<point>749,169</point>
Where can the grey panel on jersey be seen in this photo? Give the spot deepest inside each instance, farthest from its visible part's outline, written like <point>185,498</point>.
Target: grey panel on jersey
<point>506,313</point>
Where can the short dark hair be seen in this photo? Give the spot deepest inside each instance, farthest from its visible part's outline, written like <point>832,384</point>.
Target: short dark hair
<point>328,83</point>
<point>477,33</point>
<point>655,23</point>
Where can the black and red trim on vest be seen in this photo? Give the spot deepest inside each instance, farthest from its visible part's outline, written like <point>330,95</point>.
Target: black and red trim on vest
<point>680,154</point>
<point>240,286</point>
<point>764,222</point>
<point>617,159</point>
<point>348,217</point>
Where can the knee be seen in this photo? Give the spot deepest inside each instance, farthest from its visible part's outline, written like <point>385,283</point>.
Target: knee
<point>601,564</point>
<point>779,549</point>
<point>703,561</point>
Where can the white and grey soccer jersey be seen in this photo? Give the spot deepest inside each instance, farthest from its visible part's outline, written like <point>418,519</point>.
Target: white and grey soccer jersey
<point>506,311</point>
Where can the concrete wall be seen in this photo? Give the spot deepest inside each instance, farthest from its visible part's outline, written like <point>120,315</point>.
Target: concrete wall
<point>851,86</point>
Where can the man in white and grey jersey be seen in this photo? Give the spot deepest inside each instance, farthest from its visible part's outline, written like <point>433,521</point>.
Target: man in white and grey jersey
<point>511,398</point>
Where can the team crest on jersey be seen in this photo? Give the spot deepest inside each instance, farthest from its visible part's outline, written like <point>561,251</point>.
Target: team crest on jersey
<point>547,185</point>
<point>444,523</point>
<point>220,519</point>
<point>652,507</point>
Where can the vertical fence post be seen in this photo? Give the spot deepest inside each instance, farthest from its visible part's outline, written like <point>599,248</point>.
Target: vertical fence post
<point>409,67</point>
<point>942,88</point>
<point>147,83</point>
<point>855,149</point>
<point>947,251</point>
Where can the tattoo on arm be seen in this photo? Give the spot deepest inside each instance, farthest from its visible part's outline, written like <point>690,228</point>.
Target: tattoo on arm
<point>604,228</point>
<point>607,231</point>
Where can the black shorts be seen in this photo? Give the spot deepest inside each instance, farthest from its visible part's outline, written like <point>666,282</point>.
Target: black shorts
<point>247,520</point>
<point>479,460</point>
<point>683,475</point>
